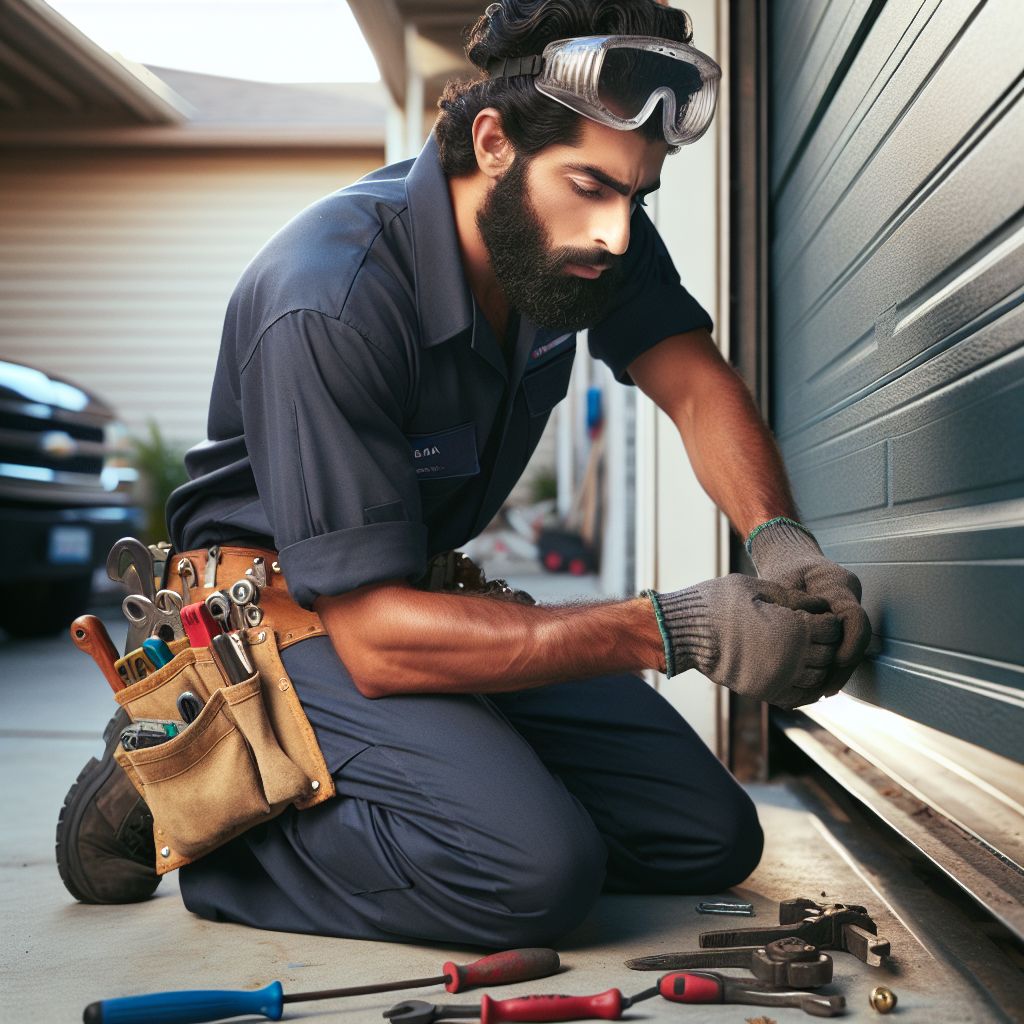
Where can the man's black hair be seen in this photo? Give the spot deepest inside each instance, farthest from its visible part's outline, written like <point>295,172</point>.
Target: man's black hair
<point>522,28</point>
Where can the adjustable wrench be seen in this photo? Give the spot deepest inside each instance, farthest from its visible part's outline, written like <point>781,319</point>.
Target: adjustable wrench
<point>789,961</point>
<point>711,987</point>
<point>837,926</point>
<point>130,563</point>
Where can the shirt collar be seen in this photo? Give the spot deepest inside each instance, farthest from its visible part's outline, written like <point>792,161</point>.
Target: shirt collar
<point>443,298</point>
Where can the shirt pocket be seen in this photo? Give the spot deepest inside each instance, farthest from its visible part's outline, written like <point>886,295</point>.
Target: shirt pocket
<point>546,386</point>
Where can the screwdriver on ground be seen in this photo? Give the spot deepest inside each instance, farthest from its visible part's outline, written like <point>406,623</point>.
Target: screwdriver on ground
<point>193,1007</point>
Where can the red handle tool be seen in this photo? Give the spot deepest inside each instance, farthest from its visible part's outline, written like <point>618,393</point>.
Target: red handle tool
<point>607,1005</point>
<point>90,635</point>
<point>501,969</point>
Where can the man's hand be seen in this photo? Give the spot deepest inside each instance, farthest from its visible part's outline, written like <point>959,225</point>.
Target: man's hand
<point>786,554</point>
<point>756,637</point>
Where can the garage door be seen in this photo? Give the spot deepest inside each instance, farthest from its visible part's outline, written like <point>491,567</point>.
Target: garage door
<point>897,335</point>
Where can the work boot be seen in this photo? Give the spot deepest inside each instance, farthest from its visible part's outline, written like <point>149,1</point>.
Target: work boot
<point>105,849</point>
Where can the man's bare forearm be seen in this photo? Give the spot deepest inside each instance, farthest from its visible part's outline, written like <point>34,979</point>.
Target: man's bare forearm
<point>735,456</point>
<point>396,639</point>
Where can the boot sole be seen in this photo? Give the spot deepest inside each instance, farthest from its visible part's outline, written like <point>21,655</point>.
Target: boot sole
<point>90,780</point>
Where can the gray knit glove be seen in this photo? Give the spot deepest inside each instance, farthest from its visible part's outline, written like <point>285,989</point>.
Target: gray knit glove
<point>756,637</point>
<point>787,553</point>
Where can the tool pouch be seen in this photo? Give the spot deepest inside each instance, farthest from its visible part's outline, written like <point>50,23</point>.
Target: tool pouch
<point>249,754</point>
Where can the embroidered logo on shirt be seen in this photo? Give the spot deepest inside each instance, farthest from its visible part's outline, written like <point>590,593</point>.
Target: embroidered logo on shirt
<point>446,453</point>
<point>550,346</point>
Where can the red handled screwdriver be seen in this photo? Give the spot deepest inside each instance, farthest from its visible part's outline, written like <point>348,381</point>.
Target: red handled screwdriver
<point>193,1007</point>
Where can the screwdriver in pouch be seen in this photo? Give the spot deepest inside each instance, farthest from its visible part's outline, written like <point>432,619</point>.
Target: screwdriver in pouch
<point>192,1007</point>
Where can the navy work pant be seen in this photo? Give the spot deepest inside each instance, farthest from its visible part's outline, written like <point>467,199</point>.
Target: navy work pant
<point>483,820</point>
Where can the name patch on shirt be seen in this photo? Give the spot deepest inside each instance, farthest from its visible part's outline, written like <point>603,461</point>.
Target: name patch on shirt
<point>450,452</point>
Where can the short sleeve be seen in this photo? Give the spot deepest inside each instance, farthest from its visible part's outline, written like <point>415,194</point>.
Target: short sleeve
<point>322,410</point>
<point>652,304</point>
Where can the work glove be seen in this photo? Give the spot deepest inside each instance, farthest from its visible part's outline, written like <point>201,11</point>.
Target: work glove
<point>785,553</point>
<point>756,637</point>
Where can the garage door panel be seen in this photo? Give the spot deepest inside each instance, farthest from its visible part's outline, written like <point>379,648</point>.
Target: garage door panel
<point>895,59</point>
<point>850,483</point>
<point>926,115</point>
<point>958,444</point>
<point>924,603</point>
<point>959,703</point>
<point>967,213</point>
<point>897,341</point>
<point>977,446</point>
<point>817,63</point>
<point>859,417</point>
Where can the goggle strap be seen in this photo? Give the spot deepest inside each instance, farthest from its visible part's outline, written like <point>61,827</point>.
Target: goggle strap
<point>512,67</point>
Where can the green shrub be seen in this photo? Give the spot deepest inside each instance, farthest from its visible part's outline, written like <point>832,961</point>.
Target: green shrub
<point>161,468</point>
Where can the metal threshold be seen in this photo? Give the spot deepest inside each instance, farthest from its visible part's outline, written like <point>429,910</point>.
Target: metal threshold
<point>957,804</point>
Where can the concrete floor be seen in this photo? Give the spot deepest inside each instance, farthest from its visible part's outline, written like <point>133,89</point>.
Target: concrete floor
<point>56,955</point>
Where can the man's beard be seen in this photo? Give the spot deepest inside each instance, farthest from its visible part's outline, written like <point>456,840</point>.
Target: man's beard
<point>531,274</point>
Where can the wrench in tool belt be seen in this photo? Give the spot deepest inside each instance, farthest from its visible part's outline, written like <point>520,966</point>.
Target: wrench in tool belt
<point>130,562</point>
<point>836,926</point>
<point>160,617</point>
<point>789,961</point>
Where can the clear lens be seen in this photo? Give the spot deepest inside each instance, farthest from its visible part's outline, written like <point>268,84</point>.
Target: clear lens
<point>629,78</point>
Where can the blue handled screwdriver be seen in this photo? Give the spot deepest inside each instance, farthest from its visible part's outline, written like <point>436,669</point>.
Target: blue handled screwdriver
<point>195,1006</point>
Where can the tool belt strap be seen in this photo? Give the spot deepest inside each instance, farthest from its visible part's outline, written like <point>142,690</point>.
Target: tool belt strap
<point>281,613</point>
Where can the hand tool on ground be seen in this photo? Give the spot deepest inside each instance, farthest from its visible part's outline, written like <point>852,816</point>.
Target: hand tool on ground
<point>193,1007</point>
<point>187,572</point>
<point>711,987</point>
<point>836,926</point>
<point>789,961</point>
<point>606,1005</point>
<point>743,909</point>
<point>199,625</point>
<point>159,617</point>
<point>157,651</point>
<point>90,635</point>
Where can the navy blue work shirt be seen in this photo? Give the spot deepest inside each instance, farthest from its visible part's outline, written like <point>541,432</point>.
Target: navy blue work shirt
<point>363,416</point>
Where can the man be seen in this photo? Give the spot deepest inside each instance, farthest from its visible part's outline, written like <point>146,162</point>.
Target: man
<point>388,363</point>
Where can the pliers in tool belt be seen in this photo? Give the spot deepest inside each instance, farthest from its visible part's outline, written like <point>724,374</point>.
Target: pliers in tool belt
<point>790,961</point>
<point>843,926</point>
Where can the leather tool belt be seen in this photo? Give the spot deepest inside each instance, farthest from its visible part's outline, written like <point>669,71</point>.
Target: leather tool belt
<point>289,621</point>
<point>250,752</point>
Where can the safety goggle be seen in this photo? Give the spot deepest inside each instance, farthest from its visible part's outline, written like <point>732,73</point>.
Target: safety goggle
<point>619,80</point>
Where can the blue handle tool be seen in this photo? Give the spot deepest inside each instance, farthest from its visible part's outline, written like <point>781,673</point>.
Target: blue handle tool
<point>157,651</point>
<point>187,1007</point>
